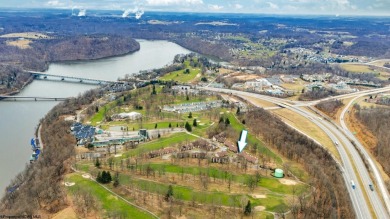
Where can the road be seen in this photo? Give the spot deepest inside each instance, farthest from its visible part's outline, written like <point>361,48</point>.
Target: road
<point>353,165</point>
<point>379,181</point>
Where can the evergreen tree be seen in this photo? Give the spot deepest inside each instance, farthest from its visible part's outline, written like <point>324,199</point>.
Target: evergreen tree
<point>220,119</point>
<point>99,177</point>
<point>238,110</point>
<point>155,126</point>
<point>97,163</point>
<point>188,127</point>
<point>109,179</point>
<point>227,121</point>
<point>103,177</point>
<point>187,98</point>
<point>190,115</point>
<point>170,125</point>
<point>195,123</point>
<point>169,194</point>
<point>243,121</point>
<point>248,208</point>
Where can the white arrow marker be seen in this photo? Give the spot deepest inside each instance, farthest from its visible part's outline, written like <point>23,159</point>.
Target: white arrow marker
<point>242,142</point>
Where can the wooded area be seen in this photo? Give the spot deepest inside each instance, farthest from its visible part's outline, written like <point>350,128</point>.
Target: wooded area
<point>377,120</point>
<point>329,198</point>
<point>38,186</point>
<point>36,58</point>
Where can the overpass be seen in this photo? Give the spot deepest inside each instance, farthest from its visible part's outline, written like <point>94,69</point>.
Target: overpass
<point>73,79</point>
<point>31,98</point>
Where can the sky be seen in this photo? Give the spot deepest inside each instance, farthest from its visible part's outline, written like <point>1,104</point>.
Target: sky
<point>310,7</point>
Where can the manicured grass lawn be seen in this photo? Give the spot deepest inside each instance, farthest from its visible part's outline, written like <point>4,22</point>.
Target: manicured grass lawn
<point>109,202</point>
<point>160,143</point>
<point>269,183</point>
<point>179,76</point>
<point>188,194</point>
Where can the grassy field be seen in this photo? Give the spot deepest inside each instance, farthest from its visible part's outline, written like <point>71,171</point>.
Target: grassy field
<point>269,183</point>
<point>109,202</point>
<point>306,126</point>
<point>180,76</point>
<point>357,68</point>
<point>260,103</point>
<point>272,202</point>
<point>160,143</point>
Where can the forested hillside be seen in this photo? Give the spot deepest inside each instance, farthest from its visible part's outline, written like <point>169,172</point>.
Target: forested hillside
<point>40,52</point>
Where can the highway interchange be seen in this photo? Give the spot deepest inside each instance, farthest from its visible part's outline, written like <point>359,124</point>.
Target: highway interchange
<point>353,167</point>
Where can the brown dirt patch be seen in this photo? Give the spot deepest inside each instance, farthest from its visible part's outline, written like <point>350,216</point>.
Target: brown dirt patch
<point>28,35</point>
<point>21,44</point>
<point>362,133</point>
<point>67,213</point>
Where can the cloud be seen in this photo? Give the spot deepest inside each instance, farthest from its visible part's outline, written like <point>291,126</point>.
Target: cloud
<point>55,3</point>
<point>272,5</point>
<point>173,2</point>
<point>238,6</point>
<point>216,7</point>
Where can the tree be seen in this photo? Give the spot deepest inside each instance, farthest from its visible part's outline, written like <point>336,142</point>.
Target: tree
<point>99,177</point>
<point>188,127</point>
<point>170,125</point>
<point>97,163</point>
<point>169,195</point>
<point>154,90</point>
<point>238,110</point>
<point>221,119</point>
<point>227,121</point>
<point>190,115</point>
<point>187,97</point>
<point>155,126</point>
<point>248,208</point>
<point>195,123</point>
<point>116,180</point>
<point>243,121</point>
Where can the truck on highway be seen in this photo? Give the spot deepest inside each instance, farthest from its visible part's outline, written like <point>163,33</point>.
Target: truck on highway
<point>353,184</point>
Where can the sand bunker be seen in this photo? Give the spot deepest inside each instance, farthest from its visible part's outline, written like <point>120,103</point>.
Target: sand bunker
<point>69,184</point>
<point>87,176</point>
<point>259,208</point>
<point>288,181</point>
<point>258,196</point>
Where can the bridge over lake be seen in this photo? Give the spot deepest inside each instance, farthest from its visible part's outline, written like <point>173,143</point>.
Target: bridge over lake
<point>30,98</point>
<point>44,76</point>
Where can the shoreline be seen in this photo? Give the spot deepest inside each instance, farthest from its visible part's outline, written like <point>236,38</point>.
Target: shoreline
<point>31,79</point>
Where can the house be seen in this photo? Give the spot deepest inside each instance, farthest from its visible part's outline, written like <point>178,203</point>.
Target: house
<point>220,157</point>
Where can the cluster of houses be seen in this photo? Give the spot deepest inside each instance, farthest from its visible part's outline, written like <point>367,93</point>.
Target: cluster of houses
<point>193,107</point>
<point>271,85</point>
<point>315,56</point>
<point>184,90</point>
<point>203,149</point>
<point>83,133</point>
<point>337,83</point>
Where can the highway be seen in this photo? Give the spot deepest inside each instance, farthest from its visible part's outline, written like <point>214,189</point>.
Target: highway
<point>379,181</point>
<point>353,165</point>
